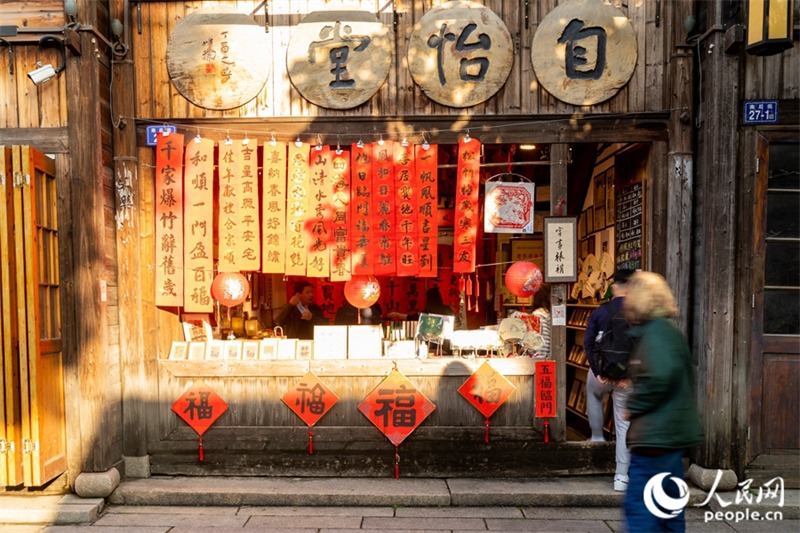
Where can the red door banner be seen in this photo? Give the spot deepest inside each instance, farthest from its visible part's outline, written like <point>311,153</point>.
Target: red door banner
<point>486,389</point>
<point>169,220</point>
<point>273,207</point>
<point>297,204</point>
<point>396,407</point>
<point>238,224</point>
<point>383,216</point>
<point>544,394</point>
<point>310,399</point>
<point>198,226</point>
<point>361,231</point>
<point>467,214</point>
<point>427,161</point>
<point>199,407</point>
<point>406,215</point>
<point>318,222</point>
<point>341,257</point>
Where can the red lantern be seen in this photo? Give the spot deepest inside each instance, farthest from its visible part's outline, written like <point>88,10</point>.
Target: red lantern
<point>230,288</point>
<point>524,279</point>
<point>362,291</point>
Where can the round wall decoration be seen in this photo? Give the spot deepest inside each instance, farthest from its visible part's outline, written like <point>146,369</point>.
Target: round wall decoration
<point>584,51</point>
<point>218,60</point>
<point>339,59</point>
<point>460,54</point>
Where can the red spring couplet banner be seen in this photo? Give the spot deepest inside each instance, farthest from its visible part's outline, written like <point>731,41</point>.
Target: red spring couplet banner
<point>198,226</point>
<point>341,256</point>
<point>238,225</point>
<point>363,205</point>
<point>467,214</point>
<point>426,162</point>
<point>406,216</point>
<point>545,389</point>
<point>383,218</point>
<point>318,221</point>
<point>297,206</point>
<point>169,220</point>
<point>273,207</point>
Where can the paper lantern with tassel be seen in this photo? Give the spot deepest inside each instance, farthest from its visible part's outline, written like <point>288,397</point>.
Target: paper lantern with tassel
<point>362,291</point>
<point>524,279</point>
<point>230,288</point>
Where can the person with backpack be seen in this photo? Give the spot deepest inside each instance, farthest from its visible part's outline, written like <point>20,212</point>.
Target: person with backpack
<point>608,347</point>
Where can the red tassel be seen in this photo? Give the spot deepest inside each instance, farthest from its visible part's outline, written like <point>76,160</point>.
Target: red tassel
<point>546,431</point>
<point>477,286</point>
<point>310,442</point>
<point>396,464</point>
<point>200,454</point>
<point>469,286</point>
<point>486,435</point>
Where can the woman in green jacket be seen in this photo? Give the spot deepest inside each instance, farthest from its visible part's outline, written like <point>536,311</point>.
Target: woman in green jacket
<point>661,408</point>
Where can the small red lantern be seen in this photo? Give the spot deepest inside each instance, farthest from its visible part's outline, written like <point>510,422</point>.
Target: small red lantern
<point>362,291</point>
<point>230,288</point>
<point>524,279</point>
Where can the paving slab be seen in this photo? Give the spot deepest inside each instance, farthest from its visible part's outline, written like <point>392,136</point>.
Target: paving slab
<point>108,529</point>
<point>281,491</point>
<point>458,512</point>
<point>317,511</point>
<point>562,526</point>
<point>167,519</point>
<point>272,523</point>
<point>560,513</point>
<point>545,492</point>
<point>425,524</point>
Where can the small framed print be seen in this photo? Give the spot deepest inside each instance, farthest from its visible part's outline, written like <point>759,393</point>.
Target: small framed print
<point>286,348</point>
<point>177,351</point>
<point>196,328</point>
<point>304,349</point>
<point>197,351</point>
<point>269,349</point>
<point>232,350</point>
<point>560,249</point>
<point>250,350</point>
<point>214,349</point>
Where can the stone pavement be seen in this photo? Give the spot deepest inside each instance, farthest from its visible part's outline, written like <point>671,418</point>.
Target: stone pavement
<point>342,505</point>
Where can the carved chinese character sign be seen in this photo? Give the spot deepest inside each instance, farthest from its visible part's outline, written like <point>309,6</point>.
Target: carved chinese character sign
<point>218,60</point>
<point>584,51</point>
<point>339,59</point>
<point>460,54</point>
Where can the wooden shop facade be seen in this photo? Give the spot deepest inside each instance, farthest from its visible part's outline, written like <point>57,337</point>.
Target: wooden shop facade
<point>619,115</point>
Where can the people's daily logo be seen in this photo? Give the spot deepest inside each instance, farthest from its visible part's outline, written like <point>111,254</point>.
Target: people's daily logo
<point>661,504</point>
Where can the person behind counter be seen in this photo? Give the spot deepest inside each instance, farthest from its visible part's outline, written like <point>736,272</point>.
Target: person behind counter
<point>347,315</point>
<point>433,305</point>
<point>300,314</point>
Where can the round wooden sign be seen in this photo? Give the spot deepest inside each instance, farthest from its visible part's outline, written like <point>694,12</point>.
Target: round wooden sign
<point>218,60</point>
<point>460,54</point>
<point>339,59</point>
<point>584,51</point>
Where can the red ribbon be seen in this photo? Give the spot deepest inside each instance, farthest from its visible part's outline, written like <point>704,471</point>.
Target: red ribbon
<point>310,442</point>
<point>200,454</point>
<point>396,463</point>
<point>486,434</point>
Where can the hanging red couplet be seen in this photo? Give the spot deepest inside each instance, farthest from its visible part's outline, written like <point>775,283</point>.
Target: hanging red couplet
<point>341,258</point>
<point>200,407</point>
<point>318,221</point>
<point>361,237</point>
<point>396,407</point>
<point>199,226</point>
<point>545,389</point>
<point>427,161</point>
<point>383,216</point>
<point>310,399</point>
<point>169,220</point>
<point>467,211</point>
<point>406,216</point>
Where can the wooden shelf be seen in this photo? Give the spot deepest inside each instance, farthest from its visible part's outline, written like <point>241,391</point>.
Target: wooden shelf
<point>576,365</point>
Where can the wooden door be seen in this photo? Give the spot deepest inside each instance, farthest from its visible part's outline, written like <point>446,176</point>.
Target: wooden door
<point>775,361</point>
<point>33,359</point>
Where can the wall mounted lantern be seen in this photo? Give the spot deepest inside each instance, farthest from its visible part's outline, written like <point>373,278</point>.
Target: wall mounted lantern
<point>769,26</point>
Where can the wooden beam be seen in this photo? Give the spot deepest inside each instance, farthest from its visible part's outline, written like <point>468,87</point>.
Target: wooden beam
<point>47,140</point>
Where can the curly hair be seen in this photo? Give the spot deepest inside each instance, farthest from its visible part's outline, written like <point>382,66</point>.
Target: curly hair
<point>648,297</point>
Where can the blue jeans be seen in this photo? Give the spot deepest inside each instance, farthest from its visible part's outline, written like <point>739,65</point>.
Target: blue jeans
<point>637,517</point>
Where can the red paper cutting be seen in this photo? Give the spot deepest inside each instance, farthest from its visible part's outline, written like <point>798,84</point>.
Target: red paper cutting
<point>199,407</point>
<point>310,399</point>
<point>486,389</point>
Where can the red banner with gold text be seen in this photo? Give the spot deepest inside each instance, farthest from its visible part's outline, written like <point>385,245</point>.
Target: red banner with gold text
<point>341,255</point>
<point>383,216</point>
<point>198,226</point>
<point>318,222</point>
<point>467,214</point>
<point>426,162</point>
<point>169,220</point>
<point>361,230</point>
<point>406,216</point>
<point>297,204</point>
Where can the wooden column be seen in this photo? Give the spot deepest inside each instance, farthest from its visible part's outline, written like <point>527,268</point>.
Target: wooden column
<point>559,157</point>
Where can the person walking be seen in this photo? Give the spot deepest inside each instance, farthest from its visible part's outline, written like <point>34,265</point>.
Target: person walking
<point>599,385</point>
<point>661,408</point>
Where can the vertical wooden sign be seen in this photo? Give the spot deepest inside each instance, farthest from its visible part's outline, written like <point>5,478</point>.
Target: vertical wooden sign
<point>169,220</point>
<point>198,226</point>
<point>239,229</point>
<point>297,204</point>
<point>466,223</point>
<point>426,161</point>
<point>363,206</point>
<point>318,222</point>
<point>406,217</point>
<point>273,207</point>
<point>383,221</point>
<point>341,256</point>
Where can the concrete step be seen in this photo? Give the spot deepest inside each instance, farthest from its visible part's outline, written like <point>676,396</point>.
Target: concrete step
<point>51,509</point>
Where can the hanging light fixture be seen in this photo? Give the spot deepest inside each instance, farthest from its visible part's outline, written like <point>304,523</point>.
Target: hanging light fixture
<point>769,26</point>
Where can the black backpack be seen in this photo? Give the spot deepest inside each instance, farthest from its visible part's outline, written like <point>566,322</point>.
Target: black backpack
<point>612,347</point>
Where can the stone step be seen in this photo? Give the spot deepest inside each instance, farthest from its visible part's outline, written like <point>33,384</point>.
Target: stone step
<point>50,509</point>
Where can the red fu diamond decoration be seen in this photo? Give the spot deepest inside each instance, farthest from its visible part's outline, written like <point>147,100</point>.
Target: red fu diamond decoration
<point>486,389</point>
<point>396,407</point>
<point>199,407</point>
<point>310,399</point>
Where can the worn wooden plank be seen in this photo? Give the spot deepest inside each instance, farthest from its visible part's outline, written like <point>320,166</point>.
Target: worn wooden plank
<point>44,14</point>
<point>162,86</point>
<point>141,56</point>
<point>50,140</point>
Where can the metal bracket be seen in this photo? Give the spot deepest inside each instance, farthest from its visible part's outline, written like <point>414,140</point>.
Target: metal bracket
<point>21,180</point>
<point>29,446</point>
